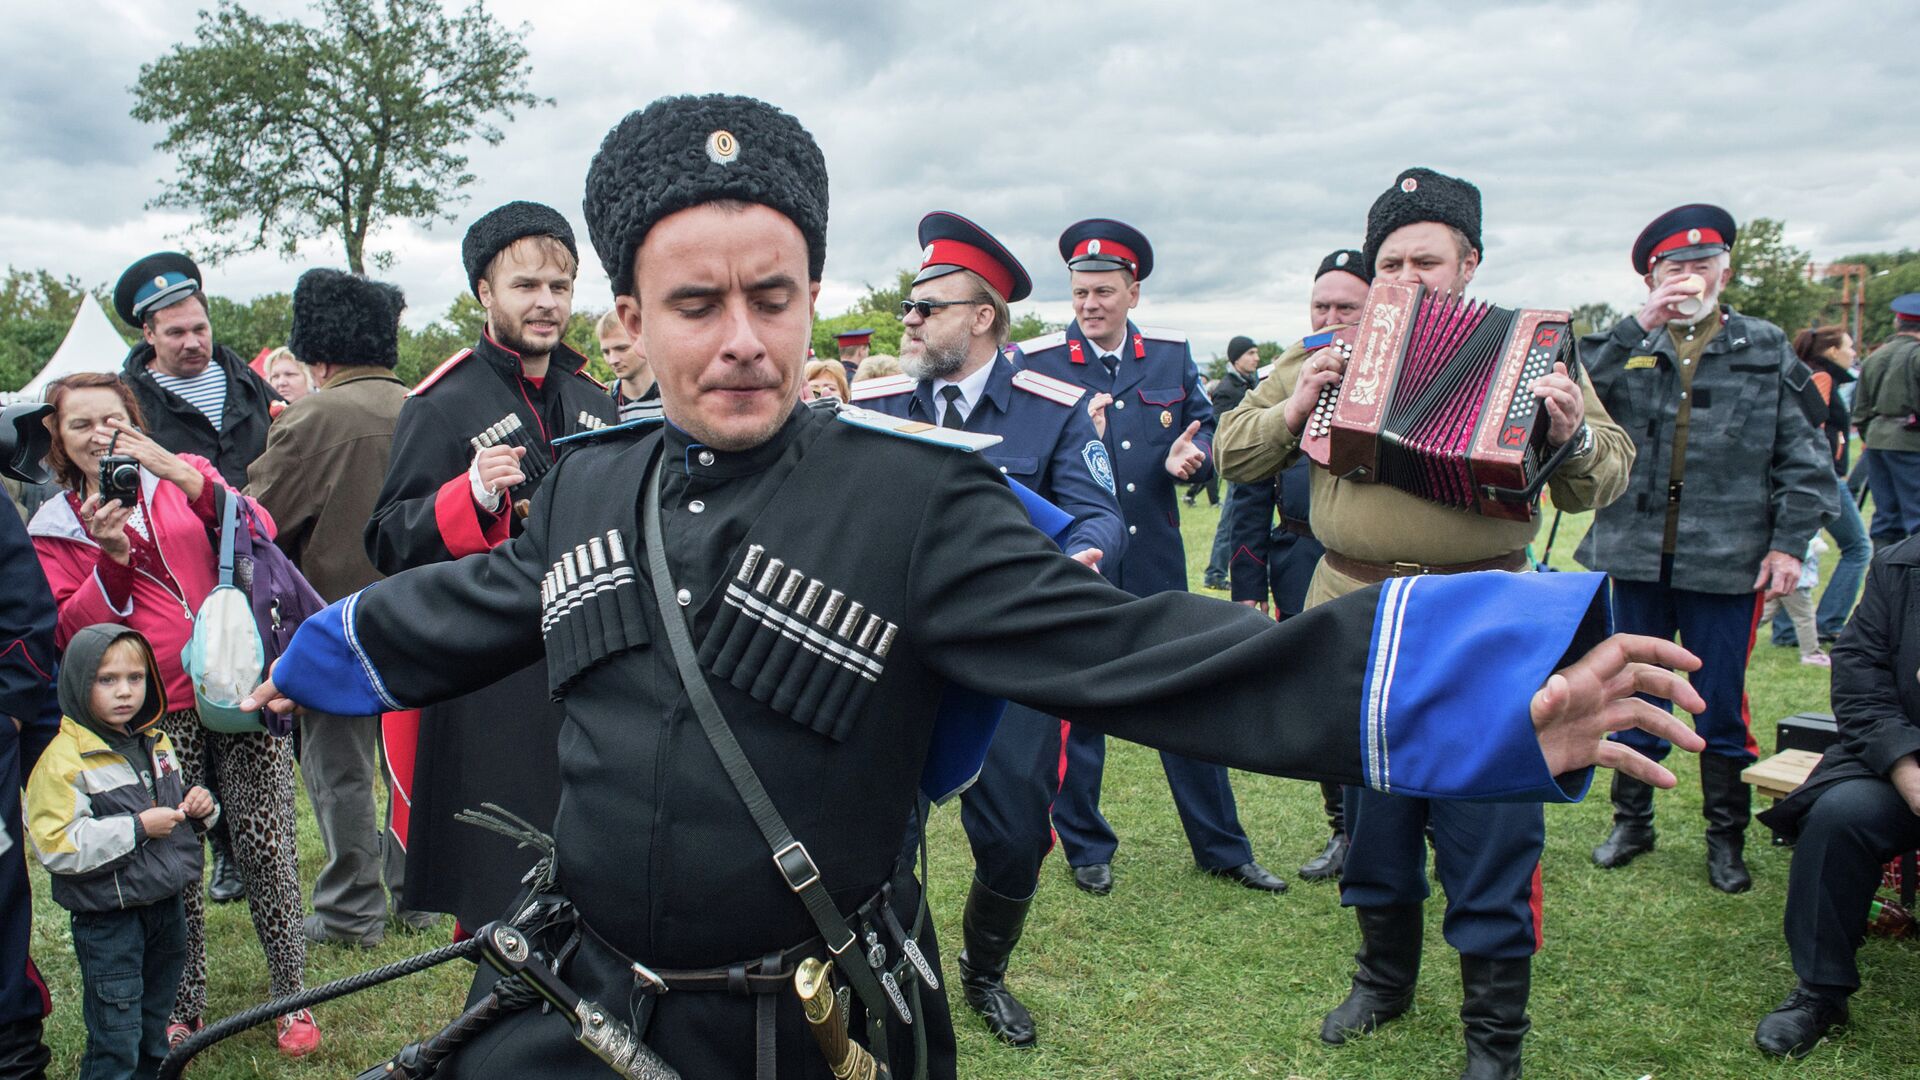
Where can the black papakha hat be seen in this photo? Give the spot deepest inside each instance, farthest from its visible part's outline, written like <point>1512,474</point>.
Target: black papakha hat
<point>1348,260</point>
<point>680,152</point>
<point>1423,195</point>
<point>498,228</point>
<point>159,280</point>
<point>345,319</point>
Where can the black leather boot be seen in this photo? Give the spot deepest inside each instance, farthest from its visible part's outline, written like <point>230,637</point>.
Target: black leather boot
<point>1801,1021</point>
<point>23,1053</point>
<point>1493,1009</point>
<point>224,884</point>
<point>1332,858</point>
<point>1632,833</point>
<point>991,928</point>
<point>1727,804</point>
<point>1385,969</point>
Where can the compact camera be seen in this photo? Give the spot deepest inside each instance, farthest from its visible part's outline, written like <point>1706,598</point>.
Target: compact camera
<point>119,475</point>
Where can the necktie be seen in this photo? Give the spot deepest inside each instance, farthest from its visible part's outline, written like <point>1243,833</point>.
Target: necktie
<point>952,419</point>
<point>1112,361</point>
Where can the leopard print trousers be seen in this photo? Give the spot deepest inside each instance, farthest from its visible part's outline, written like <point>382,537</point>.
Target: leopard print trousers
<point>256,801</point>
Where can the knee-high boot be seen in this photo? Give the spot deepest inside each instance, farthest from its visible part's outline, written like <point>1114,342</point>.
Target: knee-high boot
<point>991,927</point>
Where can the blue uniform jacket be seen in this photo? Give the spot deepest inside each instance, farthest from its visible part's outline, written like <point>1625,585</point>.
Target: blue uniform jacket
<point>1049,445</point>
<point>1156,394</point>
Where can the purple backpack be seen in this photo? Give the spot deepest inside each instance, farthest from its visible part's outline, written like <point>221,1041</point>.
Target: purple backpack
<point>280,595</point>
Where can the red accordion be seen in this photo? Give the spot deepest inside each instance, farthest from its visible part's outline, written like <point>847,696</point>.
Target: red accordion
<point>1437,400</point>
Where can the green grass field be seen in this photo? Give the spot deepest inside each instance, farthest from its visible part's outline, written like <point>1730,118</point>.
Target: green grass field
<point>1646,970</point>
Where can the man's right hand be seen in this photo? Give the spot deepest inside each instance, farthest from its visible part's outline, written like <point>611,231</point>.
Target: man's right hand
<point>1658,310</point>
<point>1097,411</point>
<point>159,821</point>
<point>497,468</point>
<point>1322,369</point>
<point>1906,781</point>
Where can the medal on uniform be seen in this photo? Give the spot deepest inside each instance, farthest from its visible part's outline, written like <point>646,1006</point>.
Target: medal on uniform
<point>1166,418</point>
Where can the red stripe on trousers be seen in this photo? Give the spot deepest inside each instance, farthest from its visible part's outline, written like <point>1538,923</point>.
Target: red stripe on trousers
<point>1746,714</point>
<point>1536,904</point>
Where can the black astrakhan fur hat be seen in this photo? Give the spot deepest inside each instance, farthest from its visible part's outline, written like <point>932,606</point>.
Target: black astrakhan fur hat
<point>345,319</point>
<point>681,152</point>
<point>501,226</point>
<point>1423,195</point>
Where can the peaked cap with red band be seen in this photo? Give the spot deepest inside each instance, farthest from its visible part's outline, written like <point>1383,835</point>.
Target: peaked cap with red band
<point>1684,232</point>
<point>949,242</point>
<point>1105,244</point>
<point>850,338</point>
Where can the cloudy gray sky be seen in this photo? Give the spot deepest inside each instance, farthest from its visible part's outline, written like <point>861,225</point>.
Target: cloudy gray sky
<point>1246,140</point>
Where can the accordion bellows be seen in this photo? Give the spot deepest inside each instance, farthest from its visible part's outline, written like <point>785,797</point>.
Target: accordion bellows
<point>1437,400</point>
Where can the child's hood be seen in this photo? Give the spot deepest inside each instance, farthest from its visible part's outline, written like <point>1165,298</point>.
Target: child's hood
<point>81,665</point>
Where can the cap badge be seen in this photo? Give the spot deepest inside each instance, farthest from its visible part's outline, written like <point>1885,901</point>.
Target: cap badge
<point>1093,247</point>
<point>1340,259</point>
<point>1409,185</point>
<point>927,255</point>
<point>1166,418</point>
<point>160,282</point>
<point>722,147</point>
<point>1693,236</point>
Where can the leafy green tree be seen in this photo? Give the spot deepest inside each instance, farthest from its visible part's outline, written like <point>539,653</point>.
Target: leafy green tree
<point>285,132</point>
<point>36,309</point>
<point>261,323</point>
<point>1027,326</point>
<point>1889,274</point>
<point>1595,318</point>
<point>1770,278</point>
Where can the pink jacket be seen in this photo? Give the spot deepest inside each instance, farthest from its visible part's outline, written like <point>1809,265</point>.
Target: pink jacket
<point>69,556</point>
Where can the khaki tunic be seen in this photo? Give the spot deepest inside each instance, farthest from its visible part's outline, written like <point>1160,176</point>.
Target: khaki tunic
<point>1382,524</point>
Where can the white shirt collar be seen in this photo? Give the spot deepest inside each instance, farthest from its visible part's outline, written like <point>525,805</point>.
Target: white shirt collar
<point>971,388</point>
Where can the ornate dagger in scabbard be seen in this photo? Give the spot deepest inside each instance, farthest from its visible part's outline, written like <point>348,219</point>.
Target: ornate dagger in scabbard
<point>593,1026</point>
<point>828,1019</point>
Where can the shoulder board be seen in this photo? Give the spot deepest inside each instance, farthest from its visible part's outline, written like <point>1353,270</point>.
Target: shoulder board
<point>955,439</point>
<point>446,365</point>
<point>1161,333</point>
<point>603,387</point>
<point>1266,371</point>
<point>630,429</point>
<point>1046,386</point>
<point>1044,342</point>
<point>886,386</point>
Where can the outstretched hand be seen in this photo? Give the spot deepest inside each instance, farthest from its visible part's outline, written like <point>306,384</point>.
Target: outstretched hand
<point>1593,697</point>
<point>268,696</point>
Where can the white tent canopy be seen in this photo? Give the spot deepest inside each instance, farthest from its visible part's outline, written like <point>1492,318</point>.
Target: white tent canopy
<point>91,345</point>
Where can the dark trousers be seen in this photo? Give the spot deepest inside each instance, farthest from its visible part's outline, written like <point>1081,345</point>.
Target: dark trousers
<point>1852,830</point>
<point>1201,793</point>
<point>1006,812</point>
<point>1487,856</point>
<point>23,997</point>
<point>1714,627</point>
<point>1894,478</point>
<point>1222,548</point>
<point>130,964</point>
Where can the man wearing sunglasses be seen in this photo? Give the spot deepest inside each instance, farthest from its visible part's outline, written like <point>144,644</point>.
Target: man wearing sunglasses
<point>1150,408</point>
<point>955,325</point>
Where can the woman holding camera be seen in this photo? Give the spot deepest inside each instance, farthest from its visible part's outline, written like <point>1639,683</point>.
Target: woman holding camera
<point>132,542</point>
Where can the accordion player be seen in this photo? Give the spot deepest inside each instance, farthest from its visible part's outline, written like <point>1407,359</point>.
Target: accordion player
<point>1437,400</point>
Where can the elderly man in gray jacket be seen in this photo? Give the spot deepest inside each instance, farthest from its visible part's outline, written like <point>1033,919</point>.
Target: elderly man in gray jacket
<point>1727,491</point>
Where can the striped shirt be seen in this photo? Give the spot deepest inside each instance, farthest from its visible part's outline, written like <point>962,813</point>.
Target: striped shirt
<point>206,391</point>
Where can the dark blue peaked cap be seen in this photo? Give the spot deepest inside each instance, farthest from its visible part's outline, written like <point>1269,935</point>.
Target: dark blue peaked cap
<point>1105,244</point>
<point>949,242</point>
<point>1684,232</point>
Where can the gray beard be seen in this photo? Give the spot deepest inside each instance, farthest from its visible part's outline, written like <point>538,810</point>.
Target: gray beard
<point>935,362</point>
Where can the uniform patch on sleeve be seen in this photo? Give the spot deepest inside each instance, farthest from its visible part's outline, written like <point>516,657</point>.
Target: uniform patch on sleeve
<point>1099,465</point>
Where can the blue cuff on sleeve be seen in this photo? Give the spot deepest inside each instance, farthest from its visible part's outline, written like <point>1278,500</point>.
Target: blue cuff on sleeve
<point>1451,673</point>
<point>1045,516</point>
<point>325,667</point>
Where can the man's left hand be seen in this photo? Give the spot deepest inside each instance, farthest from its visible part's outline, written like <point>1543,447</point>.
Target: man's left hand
<point>1090,558</point>
<point>1566,406</point>
<point>1593,697</point>
<point>1779,574</point>
<point>1184,459</point>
